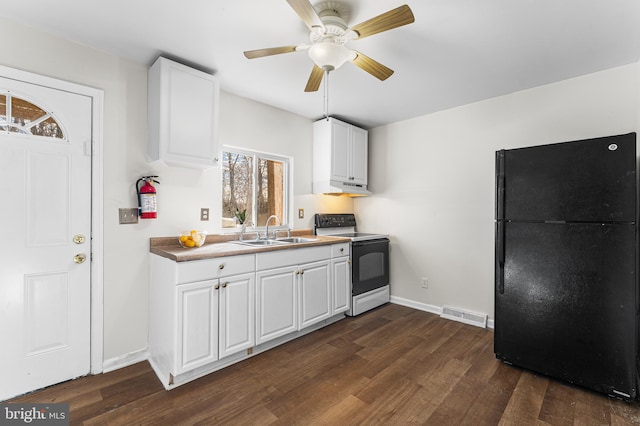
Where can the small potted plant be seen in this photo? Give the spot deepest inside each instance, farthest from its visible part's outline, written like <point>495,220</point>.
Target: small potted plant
<point>241,215</point>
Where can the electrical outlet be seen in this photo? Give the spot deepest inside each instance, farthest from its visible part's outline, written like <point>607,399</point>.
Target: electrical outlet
<point>300,213</point>
<point>204,214</point>
<point>425,282</point>
<point>128,215</point>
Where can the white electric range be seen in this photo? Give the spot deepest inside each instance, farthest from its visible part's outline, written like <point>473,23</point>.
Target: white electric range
<point>369,260</point>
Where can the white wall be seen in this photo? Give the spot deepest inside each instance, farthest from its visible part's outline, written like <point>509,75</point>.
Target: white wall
<point>433,178</point>
<point>181,193</point>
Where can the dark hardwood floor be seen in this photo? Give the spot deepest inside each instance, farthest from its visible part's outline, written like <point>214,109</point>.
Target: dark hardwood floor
<point>390,366</point>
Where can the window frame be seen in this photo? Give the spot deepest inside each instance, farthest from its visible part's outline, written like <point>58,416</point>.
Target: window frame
<point>287,182</point>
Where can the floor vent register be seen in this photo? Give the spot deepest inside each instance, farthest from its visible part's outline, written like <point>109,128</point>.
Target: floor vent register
<point>471,318</point>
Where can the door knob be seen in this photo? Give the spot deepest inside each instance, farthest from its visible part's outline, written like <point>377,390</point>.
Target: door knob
<point>79,258</point>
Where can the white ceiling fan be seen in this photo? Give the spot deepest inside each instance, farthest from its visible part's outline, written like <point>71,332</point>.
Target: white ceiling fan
<point>329,34</point>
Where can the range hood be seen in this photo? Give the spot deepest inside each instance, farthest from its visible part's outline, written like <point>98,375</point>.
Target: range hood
<point>335,187</point>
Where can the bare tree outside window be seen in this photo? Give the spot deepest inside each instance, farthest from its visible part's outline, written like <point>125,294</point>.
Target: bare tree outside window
<point>237,186</point>
<point>253,188</point>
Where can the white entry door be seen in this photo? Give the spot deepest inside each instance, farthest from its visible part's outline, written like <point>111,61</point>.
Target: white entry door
<point>45,227</point>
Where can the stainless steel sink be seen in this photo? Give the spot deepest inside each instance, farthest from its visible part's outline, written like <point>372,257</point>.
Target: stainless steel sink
<point>262,243</point>
<point>278,242</point>
<point>297,240</point>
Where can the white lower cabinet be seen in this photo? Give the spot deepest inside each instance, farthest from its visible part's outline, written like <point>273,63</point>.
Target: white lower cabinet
<point>294,290</point>
<point>197,328</point>
<point>314,284</point>
<point>237,314</point>
<point>200,312</point>
<point>276,303</point>
<point>341,270</point>
<point>207,314</point>
<point>215,320</point>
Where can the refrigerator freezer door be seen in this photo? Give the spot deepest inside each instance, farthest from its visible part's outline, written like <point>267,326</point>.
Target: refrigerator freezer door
<point>584,181</point>
<point>568,309</point>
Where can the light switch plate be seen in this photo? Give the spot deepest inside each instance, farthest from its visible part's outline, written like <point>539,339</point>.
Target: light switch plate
<point>128,216</point>
<point>300,213</point>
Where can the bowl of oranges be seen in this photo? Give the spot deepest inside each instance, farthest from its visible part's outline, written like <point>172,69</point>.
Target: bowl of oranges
<point>193,238</point>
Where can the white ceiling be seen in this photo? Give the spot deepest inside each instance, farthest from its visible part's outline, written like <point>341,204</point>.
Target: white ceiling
<point>456,52</point>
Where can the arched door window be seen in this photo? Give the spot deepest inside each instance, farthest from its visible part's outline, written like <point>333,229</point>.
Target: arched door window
<point>20,116</point>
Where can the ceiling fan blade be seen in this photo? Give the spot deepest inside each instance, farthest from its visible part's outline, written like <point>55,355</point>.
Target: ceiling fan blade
<point>314,79</point>
<point>259,53</point>
<point>307,13</point>
<point>371,66</point>
<point>387,21</point>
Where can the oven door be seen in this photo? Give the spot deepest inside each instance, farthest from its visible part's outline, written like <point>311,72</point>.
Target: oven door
<point>370,265</point>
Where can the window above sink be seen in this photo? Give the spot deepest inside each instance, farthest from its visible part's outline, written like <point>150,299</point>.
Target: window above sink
<point>255,186</point>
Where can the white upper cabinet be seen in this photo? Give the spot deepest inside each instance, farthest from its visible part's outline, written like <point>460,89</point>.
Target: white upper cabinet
<point>182,115</point>
<point>339,157</point>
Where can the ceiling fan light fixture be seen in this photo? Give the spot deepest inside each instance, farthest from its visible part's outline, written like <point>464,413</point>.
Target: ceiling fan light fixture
<point>329,56</point>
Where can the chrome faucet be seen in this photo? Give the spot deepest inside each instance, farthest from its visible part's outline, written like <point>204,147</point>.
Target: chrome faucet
<point>266,232</point>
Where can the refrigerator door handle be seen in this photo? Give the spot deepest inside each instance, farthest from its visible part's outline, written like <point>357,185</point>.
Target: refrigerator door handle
<point>500,188</point>
<point>500,205</point>
<point>500,256</point>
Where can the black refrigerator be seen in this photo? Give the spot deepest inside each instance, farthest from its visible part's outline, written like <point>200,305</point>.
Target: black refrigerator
<point>566,270</point>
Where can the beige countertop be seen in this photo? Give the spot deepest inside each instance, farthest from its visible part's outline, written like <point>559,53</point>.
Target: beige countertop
<point>220,245</point>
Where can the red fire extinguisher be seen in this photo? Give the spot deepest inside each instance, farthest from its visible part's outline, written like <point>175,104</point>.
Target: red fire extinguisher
<point>147,206</point>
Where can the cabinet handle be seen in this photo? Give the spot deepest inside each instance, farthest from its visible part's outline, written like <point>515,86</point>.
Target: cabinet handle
<point>342,250</point>
<point>217,286</point>
<point>301,272</point>
<point>221,266</point>
<point>224,285</point>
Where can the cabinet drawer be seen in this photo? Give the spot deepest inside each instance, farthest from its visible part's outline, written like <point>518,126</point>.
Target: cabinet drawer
<point>339,250</point>
<point>280,258</point>
<point>199,270</point>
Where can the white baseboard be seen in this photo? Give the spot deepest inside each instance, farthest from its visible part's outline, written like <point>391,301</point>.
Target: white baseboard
<point>416,305</point>
<point>124,360</point>
<point>426,307</point>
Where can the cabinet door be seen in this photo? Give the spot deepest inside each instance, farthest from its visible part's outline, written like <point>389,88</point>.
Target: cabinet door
<point>359,149</point>
<point>197,325</point>
<point>341,298</point>
<point>340,151</point>
<point>315,293</point>
<point>237,331</point>
<point>276,303</point>
<point>183,115</point>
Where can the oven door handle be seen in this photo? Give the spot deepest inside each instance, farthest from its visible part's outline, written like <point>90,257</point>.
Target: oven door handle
<point>369,242</point>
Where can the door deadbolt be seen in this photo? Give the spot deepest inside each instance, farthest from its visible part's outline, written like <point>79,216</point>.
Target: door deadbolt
<point>78,239</point>
<point>79,258</point>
